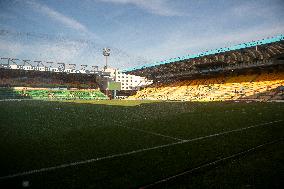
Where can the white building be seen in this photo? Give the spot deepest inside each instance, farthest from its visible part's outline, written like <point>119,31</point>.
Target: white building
<point>128,82</point>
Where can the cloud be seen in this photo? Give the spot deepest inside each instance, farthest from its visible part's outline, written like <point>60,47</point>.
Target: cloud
<point>181,43</point>
<point>158,7</point>
<point>47,51</point>
<point>61,18</point>
<point>254,9</point>
<point>9,48</point>
<point>65,50</point>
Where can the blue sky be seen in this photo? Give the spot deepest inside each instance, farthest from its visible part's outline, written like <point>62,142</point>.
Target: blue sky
<point>137,31</point>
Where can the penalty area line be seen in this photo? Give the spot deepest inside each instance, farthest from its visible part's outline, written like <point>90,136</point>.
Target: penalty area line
<point>65,165</point>
<point>152,133</point>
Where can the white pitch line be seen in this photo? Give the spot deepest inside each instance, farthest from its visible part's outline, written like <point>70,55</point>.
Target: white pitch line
<point>13,100</point>
<point>152,133</point>
<point>126,153</point>
<point>234,130</point>
<point>210,163</point>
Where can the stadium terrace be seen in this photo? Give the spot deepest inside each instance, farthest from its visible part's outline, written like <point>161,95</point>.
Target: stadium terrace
<point>211,52</point>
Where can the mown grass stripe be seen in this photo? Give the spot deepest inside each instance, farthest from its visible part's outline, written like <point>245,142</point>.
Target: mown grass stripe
<point>25,173</point>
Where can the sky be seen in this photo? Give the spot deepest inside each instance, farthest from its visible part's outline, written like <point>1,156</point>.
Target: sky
<point>138,32</point>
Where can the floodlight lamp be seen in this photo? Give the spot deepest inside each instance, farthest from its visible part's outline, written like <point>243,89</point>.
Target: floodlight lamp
<point>106,51</point>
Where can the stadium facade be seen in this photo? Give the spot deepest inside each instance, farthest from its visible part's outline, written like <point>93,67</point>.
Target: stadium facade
<point>251,70</point>
<point>43,79</point>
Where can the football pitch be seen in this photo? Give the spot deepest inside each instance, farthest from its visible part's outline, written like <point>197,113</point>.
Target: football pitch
<point>141,144</point>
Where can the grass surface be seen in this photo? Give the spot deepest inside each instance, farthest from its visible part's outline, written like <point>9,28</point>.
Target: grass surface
<point>40,134</point>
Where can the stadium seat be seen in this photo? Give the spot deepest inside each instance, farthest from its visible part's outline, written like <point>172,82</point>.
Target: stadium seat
<point>219,88</point>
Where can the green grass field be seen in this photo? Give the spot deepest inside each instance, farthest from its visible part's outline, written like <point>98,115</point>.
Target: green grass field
<point>132,144</point>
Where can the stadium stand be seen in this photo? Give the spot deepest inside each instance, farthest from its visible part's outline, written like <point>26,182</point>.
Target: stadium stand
<point>247,71</point>
<point>31,84</point>
<point>24,78</point>
<point>48,93</point>
<point>218,88</point>
<point>246,52</point>
<point>8,93</point>
<point>249,57</point>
